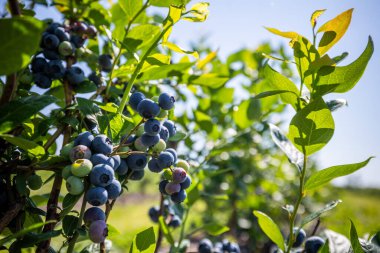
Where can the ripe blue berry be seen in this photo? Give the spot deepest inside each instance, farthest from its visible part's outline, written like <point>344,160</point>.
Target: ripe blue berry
<point>179,175</point>
<point>148,109</point>
<point>97,196</point>
<point>171,127</point>
<point>74,185</point>
<point>93,214</point>
<point>62,34</point>
<point>50,41</point>
<point>105,62</point>
<point>51,54</point>
<point>113,189</point>
<point>91,31</point>
<point>42,80</point>
<point>154,213</point>
<point>164,133</point>
<point>84,138</point>
<point>162,186</point>
<point>135,99</point>
<point>300,237</point>
<point>117,161</point>
<point>102,144</point>
<point>313,244</point>
<point>179,197</point>
<point>137,175</point>
<point>175,222</point>
<point>97,159</point>
<point>66,172</point>
<point>123,168</point>
<point>55,69</point>
<point>165,160</point>
<point>152,127</point>
<point>165,101</point>
<point>149,141</point>
<point>80,152</point>
<point>102,175</point>
<point>186,183</point>
<point>75,75</point>
<point>205,246</point>
<point>98,231</point>
<point>137,161</point>
<point>96,79</point>
<point>153,166</point>
<point>51,28</point>
<point>38,65</point>
<point>81,167</point>
<point>172,188</point>
<point>173,152</point>
<point>78,41</point>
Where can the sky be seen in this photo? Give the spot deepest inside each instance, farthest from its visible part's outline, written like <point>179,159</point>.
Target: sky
<point>232,25</point>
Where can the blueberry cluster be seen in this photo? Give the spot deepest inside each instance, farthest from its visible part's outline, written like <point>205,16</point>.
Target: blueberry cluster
<point>91,161</point>
<point>154,135</point>
<point>310,245</point>
<point>171,218</point>
<point>206,246</point>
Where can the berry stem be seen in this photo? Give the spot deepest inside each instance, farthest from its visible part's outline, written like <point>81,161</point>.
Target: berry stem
<point>126,138</point>
<point>159,237</point>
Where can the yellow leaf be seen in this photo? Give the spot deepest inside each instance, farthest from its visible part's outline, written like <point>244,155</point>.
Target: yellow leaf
<point>315,16</point>
<point>173,17</point>
<point>211,56</point>
<point>198,11</point>
<point>177,49</point>
<point>334,30</point>
<point>289,35</point>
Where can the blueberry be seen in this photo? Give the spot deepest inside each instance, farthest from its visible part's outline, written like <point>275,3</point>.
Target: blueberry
<point>154,213</point>
<point>34,182</point>
<point>137,161</point>
<point>164,133</point>
<point>148,109</point>
<point>97,196</point>
<point>163,114</point>
<point>93,214</point>
<point>102,175</point>
<point>149,141</point>
<point>116,159</point>
<point>91,31</point>
<point>50,41</point>
<point>165,160</point>
<point>313,244</point>
<point>102,144</point>
<point>165,101</point>
<point>81,167</point>
<point>179,175</point>
<point>113,189</point>
<point>62,34</point>
<point>66,172</point>
<point>186,183</point>
<point>42,80</point>
<point>80,152</point>
<point>175,222</point>
<point>51,28</point>
<point>172,188</point>
<point>131,139</point>
<point>51,54</point>
<point>77,40</point>
<point>65,48</point>
<point>152,127</point>
<point>39,64</point>
<point>98,231</point>
<point>226,245</point>
<point>159,147</point>
<point>162,186</point>
<point>173,152</point>
<point>79,27</point>
<point>137,175</point>
<point>97,159</point>
<point>205,246</point>
<point>183,164</point>
<point>139,145</point>
<point>300,237</point>
<point>178,197</point>
<point>135,99</point>
<point>123,168</point>
<point>234,248</point>
<point>105,62</point>
<point>153,166</point>
<point>96,79</point>
<point>74,185</point>
<point>84,138</point>
<point>140,130</point>
<point>171,127</point>
<point>55,69</point>
<point>75,75</point>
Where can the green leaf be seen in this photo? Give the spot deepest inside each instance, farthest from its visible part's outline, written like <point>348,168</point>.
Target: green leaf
<point>167,3</point>
<point>271,93</point>
<point>326,175</point>
<point>130,8</point>
<point>141,36</point>
<point>215,229</point>
<point>312,127</point>
<point>179,135</point>
<point>293,154</point>
<point>85,87</point>
<point>114,125</point>
<point>212,80</point>
<point>15,53</point>
<point>334,30</point>
<point>173,17</point>
<point>17,111</point>
<point>355,244</point>
<point>316,14</point>
<point>318,213</point>
<point>240,115</point>
<point>343,79</point>
<point>165,230</point>
<point>87,107</point>
<point>270,229</point>
<point>69,224</point>
<point>68,203</point>
<point>29,146</point>
<point>164,71</point>
<point>277,81</point>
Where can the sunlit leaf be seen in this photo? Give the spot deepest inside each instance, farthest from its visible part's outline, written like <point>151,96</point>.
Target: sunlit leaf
<point>289,35</point>
<point>355,244</point>
<point>316,14</point>
<point>144,242</point>
<point>215,229</point>
<point>177,49</point>
<point>197,13</point>
<point>270,229</point>
<point>318,213</point>
<point>29,146</point>
<point>203,62</point>
<point>173,17</point>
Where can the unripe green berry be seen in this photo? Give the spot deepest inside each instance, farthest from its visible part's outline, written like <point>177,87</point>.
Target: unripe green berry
<point>74,185</point>
<point>65,48</point>
<point>183,164</point>
<point>159,147</point>
<point>140,130</point>
<point>34,182</point>
<point>81,167</point>
<point>163,114</point>
<point>168,175</point>
<point>139,145</point>
<point>80,52</point>
<point>123,150</point>
<point>66,172</point>
<point>65,151</point>
<point>26,77</point>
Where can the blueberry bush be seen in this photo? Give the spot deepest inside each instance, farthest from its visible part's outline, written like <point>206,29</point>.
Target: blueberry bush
<point>94,101</point>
